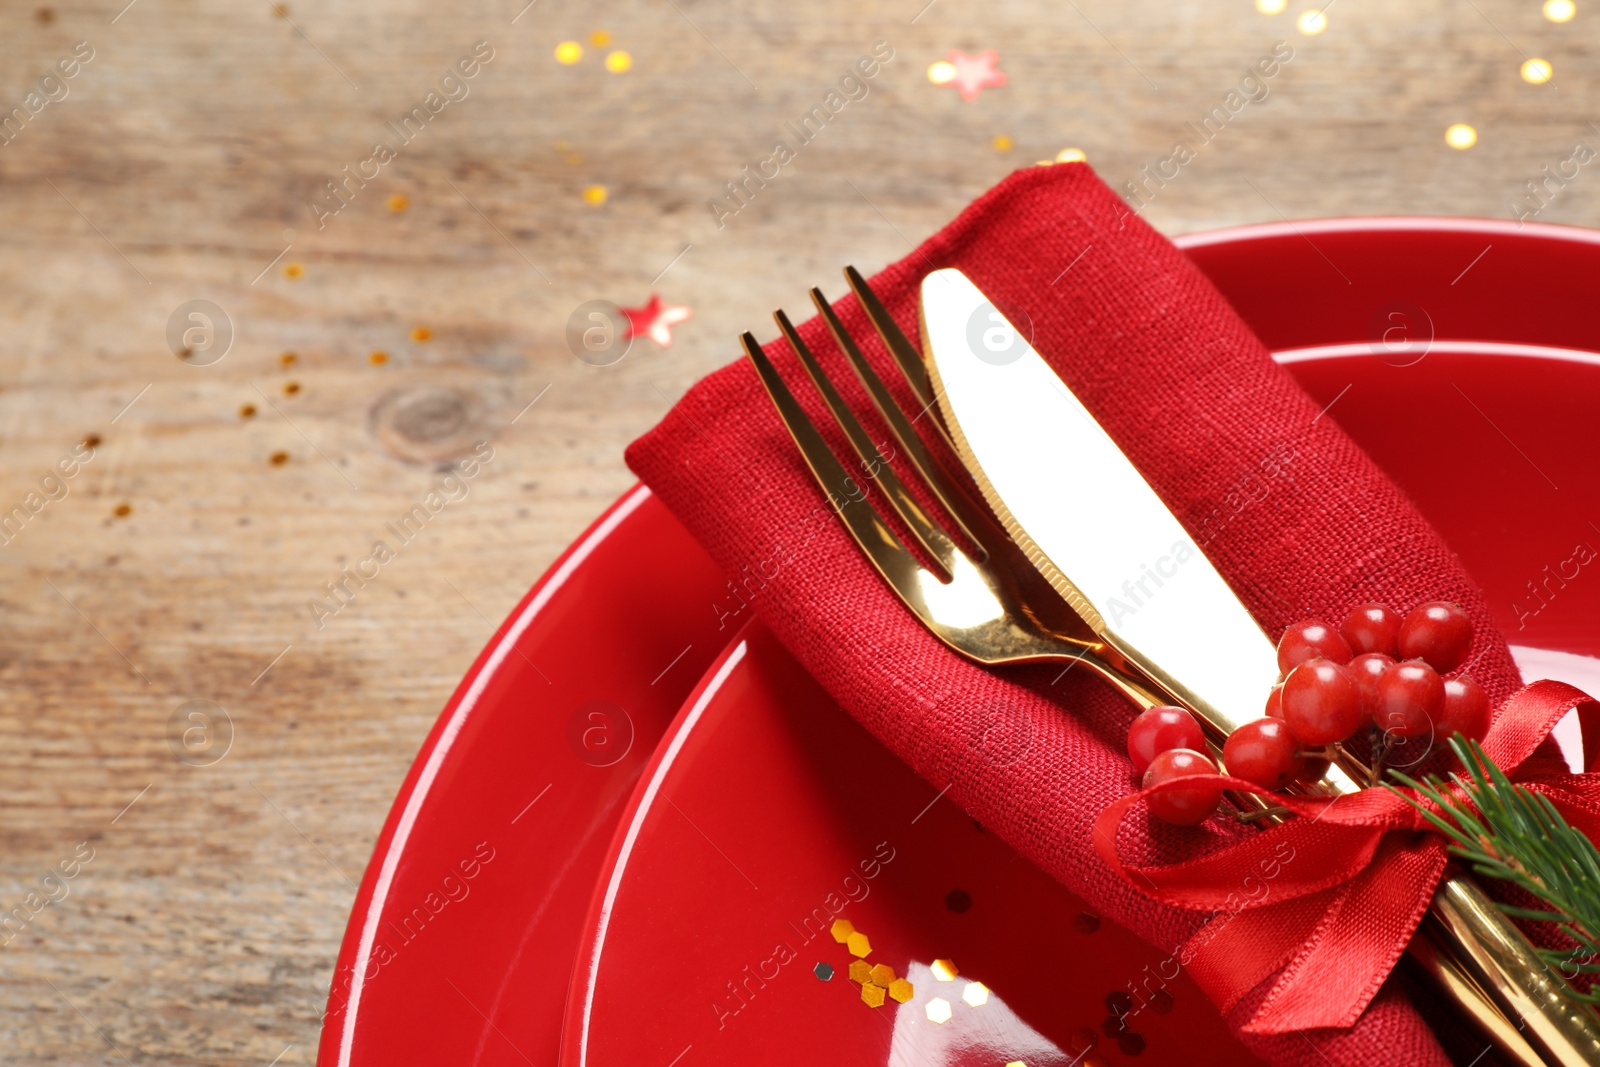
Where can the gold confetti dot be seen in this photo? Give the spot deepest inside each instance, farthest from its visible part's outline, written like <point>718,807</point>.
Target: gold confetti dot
<point>92,441</point>
<point>600,38</point>
<point>287,359</point>
<point>858,945</point>
<point>841,930</point>
<point>1312,22</point>
<point>902,990</point>
<point>397,202</point>
<point>122,510</point>
<point>278,459</point>
<point>247,411</point>
<point>293,270</point>
<point>45,15</point>
<point>1271,7</point>
<point>619,62</point>
<point>291,388</point>
<point>976,994</point>
<point>938,1010</point>
<point>594,194</point>
<point>1537,71</point>
<point>1461,136</point>
<point>872,995</point>
<point>568,53</point>
<point>942,72</point>
<point>1071,155</point>
<point>860,971</point>
<point>883,974</point>
<point>1002,143</point>
<point>281,10</point>
<point>944,970</point>
<point>378,359</point>
<point>421,333</point>
<point>1560,10</point>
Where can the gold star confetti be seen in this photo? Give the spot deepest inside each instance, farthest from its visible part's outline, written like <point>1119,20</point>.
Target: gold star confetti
<point>1071,155</point>
<point>1271,7</point>
<point>944,970</point>
<point>600,38</point>
<point>1537,71</point>
<point>247,411</point>
<point>287,359</point>
<point>378,359</point>
<point>858,945</point>
<point>1312,22</point>
<point>291,388</point>
<point>938,1010</point>
<point>619,62</point>
<point>293,270</point>
<point>942,72</point>
<point>421,333</point>
<point>1461,136</point>
<point>122,511</point>
<point>902,990</point>
<point>568,53</point>
<point>594,194</point>
<point>872,995</point>
<point>1002,143</point>
<point>976,994</point>
<point>841,930</point>
<point>1560,10</point>
<point>278,459</point>
<point>398,203</point>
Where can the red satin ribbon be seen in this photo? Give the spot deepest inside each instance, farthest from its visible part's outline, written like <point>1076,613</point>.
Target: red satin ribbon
<point>1331,898</point>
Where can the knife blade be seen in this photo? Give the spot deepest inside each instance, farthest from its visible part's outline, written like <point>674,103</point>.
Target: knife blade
<point>1084,514</point>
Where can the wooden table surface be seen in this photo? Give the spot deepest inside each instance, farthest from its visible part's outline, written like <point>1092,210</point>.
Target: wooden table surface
<point>178,561</point>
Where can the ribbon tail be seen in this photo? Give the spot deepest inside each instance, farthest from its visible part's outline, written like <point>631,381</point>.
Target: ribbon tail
<point>1237,951</point>
<point>1355,945</point>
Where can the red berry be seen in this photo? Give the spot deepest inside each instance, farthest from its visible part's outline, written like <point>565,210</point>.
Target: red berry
<point>1321,702</point>
<point>1466,709</point>
<point>1372,628</point>
<point>1310,639</point>
<point>1263,752</point>
<point>1275,702</point>
<point>1367,668</point>
<point>1312,768</point>
<point>1410,699</point>
<point>1182,807</point>
<point>1439,632</point>
<point>1158,729</point>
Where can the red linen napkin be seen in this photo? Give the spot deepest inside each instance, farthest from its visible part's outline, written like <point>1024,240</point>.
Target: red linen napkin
<point>1291,511</point>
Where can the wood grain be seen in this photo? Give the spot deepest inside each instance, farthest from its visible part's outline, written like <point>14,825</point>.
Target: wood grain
<point>182,161</point>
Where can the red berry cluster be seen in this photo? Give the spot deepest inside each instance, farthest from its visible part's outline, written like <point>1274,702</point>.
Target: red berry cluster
<point>1377,671</point>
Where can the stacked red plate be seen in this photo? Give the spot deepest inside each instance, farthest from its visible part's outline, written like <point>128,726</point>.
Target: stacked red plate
<point>634,837</point>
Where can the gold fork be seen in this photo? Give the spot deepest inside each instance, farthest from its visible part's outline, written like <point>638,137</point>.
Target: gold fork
<point>992,606</point>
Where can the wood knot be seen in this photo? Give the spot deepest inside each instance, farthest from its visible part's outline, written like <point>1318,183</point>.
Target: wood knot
<point>429,423</point>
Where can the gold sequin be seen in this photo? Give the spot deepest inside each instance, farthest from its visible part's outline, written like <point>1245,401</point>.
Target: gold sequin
<point>619,62</point>
<point>122,510</point>
<point>247,411</point>
<point>278,459</point>
<point>568,53</point>
<point>841,930</point>
<point>293,270</point>
<point>944,970</point>
<point>398,203</point>
<point>858,944</point>
<point>860,971</point>
<point>976,994</point>
<point>883,974</point>
<point>287,359</point>
<point>938,1010</point>
<point>872,995</point>
<point>377,359</point>
<point>902,990</point>
<point>421,333</point>
<point>291,388</point>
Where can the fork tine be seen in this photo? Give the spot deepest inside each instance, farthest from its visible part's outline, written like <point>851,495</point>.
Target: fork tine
<point>927,533</point>
<point>957,504</point>
<point>891,557</point>
<point>900,347</point>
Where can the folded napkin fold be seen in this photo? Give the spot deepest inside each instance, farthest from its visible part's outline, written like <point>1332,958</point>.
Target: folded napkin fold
<point>1290,510</point>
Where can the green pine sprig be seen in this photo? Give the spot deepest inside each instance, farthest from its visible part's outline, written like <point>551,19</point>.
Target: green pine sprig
<point>1507,832</point>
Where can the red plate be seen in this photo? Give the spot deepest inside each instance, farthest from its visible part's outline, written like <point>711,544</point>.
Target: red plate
<point>1490,439</point>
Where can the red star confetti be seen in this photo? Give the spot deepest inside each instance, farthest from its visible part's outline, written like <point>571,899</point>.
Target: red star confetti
<point>655,320</point>
<point>970,74</point>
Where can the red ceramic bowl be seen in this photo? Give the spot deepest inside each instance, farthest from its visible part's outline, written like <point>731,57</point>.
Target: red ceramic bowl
<point>1457,352</point>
